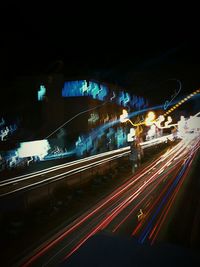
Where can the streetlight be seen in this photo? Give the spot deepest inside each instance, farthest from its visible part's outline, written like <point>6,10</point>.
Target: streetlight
<point>134,138</point>
<point>124,118</point>
<point>150,119</point>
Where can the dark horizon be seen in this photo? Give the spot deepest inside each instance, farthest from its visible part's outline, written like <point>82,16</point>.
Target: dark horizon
<point>130,47</point>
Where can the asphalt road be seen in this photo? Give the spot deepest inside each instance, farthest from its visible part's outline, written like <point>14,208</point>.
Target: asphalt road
<point>149,193</point>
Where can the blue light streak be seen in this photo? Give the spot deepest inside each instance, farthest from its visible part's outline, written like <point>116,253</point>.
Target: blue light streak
<point>102,93</point>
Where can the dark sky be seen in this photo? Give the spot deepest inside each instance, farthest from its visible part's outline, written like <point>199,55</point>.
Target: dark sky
<point>112,42</point>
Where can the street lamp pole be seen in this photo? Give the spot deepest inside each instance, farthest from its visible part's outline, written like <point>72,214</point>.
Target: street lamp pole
<point>136,150</point>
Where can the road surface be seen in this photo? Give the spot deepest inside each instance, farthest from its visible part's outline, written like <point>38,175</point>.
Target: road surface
<point>137,208</point>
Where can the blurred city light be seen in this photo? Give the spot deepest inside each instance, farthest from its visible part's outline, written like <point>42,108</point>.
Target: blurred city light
<point>37,148</point>
<point>150,118</point>
<point>124,116</point>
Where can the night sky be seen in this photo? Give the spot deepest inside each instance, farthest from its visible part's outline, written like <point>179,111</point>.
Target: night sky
<point>141,48</point>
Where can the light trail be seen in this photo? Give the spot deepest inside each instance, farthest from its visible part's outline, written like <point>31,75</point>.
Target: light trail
<point>165,212</point>
<point>79,221</point>
<point>156,201</point>
<point>139,204</point>
<point>131,194</point>
<point>108,219</point>
<point>148,228</point>
<point>75,116</point>
<point>114,213</point>
<point>61,166</point>
<point>63,175</point>
<point>80,161</point>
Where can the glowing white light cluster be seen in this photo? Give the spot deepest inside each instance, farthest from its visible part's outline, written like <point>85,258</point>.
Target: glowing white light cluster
<point>193,123</point>
<point>182,126</point>
<point>151,132</point>
<point>130,136</point>
<point>37,148</point>
<point>124,116</point>
<point>189,128</point>
<point>167,124</point>
<point>150,118</point>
